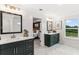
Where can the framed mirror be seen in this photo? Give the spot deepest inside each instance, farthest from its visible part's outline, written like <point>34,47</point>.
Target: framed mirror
<point>49,25</point>
<point>10,23</point>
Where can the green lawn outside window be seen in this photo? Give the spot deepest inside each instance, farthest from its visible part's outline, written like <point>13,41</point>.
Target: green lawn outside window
<point>71,27</point>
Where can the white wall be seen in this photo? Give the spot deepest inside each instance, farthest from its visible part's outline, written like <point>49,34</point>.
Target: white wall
<point>28,22</point>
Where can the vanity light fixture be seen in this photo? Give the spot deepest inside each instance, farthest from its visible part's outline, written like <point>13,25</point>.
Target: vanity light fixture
<point>49,18</point>
<point>12,7</point>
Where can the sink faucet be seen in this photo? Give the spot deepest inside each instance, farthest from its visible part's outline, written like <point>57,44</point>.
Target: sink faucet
<point>13,36</point>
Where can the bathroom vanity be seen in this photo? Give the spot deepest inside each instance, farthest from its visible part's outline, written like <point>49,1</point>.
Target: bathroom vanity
<point>51,39</point>
<point>11,23</point>
<point>17,46</point>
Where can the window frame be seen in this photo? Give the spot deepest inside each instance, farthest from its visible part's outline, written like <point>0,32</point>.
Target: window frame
<point>70,28</point>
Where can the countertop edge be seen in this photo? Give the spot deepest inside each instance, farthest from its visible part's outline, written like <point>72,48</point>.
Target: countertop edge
<point>2,42</point>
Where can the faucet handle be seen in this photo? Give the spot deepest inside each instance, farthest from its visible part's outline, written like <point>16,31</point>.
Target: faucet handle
<point>13,36</point>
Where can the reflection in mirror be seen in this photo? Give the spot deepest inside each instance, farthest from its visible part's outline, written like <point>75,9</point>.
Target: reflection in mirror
<point>11,23</point>
<point>16,24</point>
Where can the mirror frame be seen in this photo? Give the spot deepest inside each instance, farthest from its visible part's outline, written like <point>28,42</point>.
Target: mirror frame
<point>1,20</point>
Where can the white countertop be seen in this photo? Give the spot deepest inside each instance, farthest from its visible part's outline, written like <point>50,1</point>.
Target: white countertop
<point>11,40</point>
<point>51,33</point>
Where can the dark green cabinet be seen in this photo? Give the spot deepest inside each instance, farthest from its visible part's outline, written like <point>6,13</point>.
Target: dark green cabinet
<point>20,48</point>
<point>25,47</point>
<point>51,39</point>
<point>8,51</point>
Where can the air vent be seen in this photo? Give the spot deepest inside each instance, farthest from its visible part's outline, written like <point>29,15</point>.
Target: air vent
<point>41,9</point>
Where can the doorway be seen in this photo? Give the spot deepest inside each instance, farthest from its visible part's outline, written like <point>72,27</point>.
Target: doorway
<point>37,29</point>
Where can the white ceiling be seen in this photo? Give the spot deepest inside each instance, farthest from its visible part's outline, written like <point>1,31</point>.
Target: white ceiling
<point>55,9</point>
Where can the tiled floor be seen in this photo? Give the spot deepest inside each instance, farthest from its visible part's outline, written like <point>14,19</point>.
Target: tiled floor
<point>57,49</point>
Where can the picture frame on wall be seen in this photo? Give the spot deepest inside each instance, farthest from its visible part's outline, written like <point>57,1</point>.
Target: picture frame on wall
<point>58,25</point>
<point>49,25</point>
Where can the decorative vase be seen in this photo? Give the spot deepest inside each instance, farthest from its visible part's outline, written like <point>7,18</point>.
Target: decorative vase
<point>25,34</point>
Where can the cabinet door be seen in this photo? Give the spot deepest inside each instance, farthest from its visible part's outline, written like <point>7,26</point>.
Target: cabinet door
<point>20,48</point>
<point>29,47</point>
<point>47,40</point>
<point>24,47</point>
<point>58,38</point>
<point>7,49</point>
<point>53,39</point>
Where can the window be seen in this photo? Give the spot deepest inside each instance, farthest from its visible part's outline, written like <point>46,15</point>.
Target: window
<point>71,27</point>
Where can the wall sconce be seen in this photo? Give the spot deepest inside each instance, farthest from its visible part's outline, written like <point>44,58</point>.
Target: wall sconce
<point>6,5</point>
<point>49,18</point>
